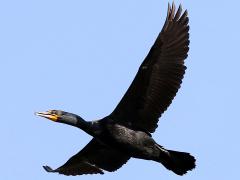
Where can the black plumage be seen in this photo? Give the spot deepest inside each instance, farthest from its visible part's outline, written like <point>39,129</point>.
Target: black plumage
<point>126,132</point>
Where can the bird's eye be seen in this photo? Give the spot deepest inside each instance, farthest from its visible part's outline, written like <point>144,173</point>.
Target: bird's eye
<point>52,112</point>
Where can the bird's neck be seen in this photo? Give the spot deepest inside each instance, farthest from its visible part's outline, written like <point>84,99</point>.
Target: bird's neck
<point>93,128</point>
<point>84,125</point>
<point>77,121</point>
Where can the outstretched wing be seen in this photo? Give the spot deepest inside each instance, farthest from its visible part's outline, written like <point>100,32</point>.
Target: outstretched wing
<point>92,159</point>
<point>159,76</point>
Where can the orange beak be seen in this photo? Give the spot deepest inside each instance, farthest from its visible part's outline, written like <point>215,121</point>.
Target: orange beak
<point>48,115</point>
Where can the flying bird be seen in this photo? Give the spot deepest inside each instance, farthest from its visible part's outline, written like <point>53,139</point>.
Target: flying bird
<point>126,132</point>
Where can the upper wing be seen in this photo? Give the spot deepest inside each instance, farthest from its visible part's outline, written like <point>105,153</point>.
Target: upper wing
<point>159,76</point>
<point>91,160</point>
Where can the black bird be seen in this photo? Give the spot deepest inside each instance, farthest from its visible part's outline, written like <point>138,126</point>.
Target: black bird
<point>126,132</point>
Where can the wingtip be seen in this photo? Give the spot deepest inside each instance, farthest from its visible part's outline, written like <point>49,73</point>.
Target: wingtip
<point>169,10</point>
<point>173,6</point>
<point>180,7</point>
<point>168,5</point>
<point>172,13</point>
<point>48,169</point>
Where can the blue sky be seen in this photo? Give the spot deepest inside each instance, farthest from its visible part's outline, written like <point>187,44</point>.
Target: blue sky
<point>80,56</point>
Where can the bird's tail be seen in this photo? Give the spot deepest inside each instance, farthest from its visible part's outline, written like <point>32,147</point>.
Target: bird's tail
<point>178,162</point>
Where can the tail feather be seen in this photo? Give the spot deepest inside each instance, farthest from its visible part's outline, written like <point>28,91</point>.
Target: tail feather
<point>178,162</point>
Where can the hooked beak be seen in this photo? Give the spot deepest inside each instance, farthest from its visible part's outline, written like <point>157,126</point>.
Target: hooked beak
<point>48,115</point>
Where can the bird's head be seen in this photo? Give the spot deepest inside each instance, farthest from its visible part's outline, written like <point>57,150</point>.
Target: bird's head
<point>58,116</point>
<point>53,115</point>
<point>66,118</point>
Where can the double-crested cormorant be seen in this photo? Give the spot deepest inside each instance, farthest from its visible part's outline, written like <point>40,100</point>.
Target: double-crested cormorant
<point>126,132</point>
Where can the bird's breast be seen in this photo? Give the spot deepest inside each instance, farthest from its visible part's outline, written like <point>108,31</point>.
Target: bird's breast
<point>127,140</point>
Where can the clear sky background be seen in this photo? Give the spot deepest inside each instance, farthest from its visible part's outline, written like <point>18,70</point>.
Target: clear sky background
<point>81,56</point>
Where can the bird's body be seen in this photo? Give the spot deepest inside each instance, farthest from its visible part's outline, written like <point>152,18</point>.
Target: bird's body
<point>126,132</point>
<point>133,143</point>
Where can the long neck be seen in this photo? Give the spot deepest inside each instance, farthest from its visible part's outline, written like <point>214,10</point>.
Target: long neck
<point>84,125</point>
<point>77,121</point>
